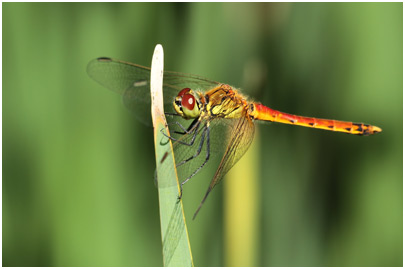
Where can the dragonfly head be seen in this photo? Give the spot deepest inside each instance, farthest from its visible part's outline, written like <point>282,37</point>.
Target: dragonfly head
<point>187,104</point>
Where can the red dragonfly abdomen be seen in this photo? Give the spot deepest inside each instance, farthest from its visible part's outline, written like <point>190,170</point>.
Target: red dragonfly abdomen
<point>261,112</point>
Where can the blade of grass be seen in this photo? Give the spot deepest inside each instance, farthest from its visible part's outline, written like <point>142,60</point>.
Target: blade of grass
<point>176,246</point>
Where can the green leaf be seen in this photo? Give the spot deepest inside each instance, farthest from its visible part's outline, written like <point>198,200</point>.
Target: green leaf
<point>176,246</point>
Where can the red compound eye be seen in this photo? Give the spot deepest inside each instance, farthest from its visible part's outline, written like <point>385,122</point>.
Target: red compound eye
<point>188,101</point>
<point>183,92</point>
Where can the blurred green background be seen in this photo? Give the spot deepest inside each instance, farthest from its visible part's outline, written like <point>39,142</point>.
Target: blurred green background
<point>78,168</point>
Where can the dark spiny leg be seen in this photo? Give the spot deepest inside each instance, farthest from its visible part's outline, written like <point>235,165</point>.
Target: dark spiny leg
<point>198,150</point>
<point>207,132</point>
<point>171,114</point>
<point>195,127</point>
<point>178,124</point>
<point>189,129</point>
<point>185,131</point>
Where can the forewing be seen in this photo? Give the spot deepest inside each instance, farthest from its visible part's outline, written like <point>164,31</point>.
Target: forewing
<point>132,81</point>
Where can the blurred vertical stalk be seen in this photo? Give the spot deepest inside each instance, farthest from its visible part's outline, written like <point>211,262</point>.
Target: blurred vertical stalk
<point>242,194</point>
<point>242,210</point>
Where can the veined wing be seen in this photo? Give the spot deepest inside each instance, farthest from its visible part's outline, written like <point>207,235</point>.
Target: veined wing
<point>240,136</point>
<point>132,81</point>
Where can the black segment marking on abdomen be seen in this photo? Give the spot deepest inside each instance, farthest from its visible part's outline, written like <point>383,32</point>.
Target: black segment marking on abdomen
<point>360,126</point>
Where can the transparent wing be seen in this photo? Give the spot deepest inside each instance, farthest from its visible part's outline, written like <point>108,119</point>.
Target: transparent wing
<point>132,81</point>
<point>239,136</point>
<point>221,133</point>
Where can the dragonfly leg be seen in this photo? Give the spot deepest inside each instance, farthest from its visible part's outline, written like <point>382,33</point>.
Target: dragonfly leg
<point>207,157</point>
<point>190,128</point>
<point>194,130</point>
<point>171,114</point>
<point>198,150</point>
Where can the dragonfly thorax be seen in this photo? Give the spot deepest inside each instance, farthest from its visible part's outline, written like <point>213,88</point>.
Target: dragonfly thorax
<point>187,104</point>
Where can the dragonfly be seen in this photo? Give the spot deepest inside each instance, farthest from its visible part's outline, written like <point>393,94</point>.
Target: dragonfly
<point>206,117</point>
